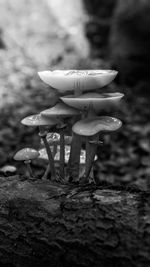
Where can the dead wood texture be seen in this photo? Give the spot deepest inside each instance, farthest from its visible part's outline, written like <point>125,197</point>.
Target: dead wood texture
<point>59,225</point>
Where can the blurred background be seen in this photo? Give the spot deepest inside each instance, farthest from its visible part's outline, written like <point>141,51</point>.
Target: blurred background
<point>82,34</point>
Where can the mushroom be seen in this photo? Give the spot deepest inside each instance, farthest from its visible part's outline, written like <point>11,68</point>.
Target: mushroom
<point>80,81</point>
<point>8,170</point>
<point>91,104</point>
<point>91,128</point>
<point>84,80</point>
<point>26,155</point>
<point>60,111</point>
<point>40,121</point>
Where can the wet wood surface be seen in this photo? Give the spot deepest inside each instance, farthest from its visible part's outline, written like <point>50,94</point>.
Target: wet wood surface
<point>44,224</point>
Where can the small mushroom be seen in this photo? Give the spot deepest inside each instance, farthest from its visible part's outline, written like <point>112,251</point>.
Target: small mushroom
<point>91,128</point>
<point>40,121</point>
<point>84,80</point>
<point>26,155</point>
<point>60,111</point>
<point>8,170</point>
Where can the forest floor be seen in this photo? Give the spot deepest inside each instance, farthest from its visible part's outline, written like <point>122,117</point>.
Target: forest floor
<point>35,41</point>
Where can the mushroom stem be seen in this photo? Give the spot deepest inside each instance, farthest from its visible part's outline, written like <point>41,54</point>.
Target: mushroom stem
<point>62,154</point>
<point>50,156</point>
<point>74,159</point>
<point>77,88</point>
<point>61,126</point>
<point>54,150</point>
<point>91,112</point>
<point>91,149</point>
<point>30,173</point>
<point>47,171</point>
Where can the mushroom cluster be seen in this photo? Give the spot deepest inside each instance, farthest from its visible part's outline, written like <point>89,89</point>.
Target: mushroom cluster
<point>80,107</point>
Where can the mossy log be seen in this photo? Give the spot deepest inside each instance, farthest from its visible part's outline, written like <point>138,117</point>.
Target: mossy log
<point>44,224</point>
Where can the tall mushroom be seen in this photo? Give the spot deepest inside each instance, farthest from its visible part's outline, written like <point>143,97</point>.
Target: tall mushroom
<point>60,111</point>
<point>91,128</point>
<point>41,122</point>
<point>92,104</point>
<point>26,155</point>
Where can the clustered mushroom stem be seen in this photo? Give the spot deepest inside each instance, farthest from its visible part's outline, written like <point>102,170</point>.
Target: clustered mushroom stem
<point>50,156</point>
<point>90,155</point>
<point>77,87</point>
<point>74,159</point>
<point>91,112</point>
<point>47,171</point>
<point>30,173</point>
<point>54,150</point>
<point>62,154</point>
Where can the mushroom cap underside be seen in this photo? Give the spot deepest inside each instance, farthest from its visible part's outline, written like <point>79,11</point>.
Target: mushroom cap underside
<point>98,102</point>
<point>83,80</point>
<point>60,110</point>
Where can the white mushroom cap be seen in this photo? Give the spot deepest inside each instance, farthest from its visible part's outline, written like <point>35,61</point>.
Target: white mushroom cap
<point>8,168</point>
<point>85,80</point>
<point>38,120</point>
<point>92,126</point>
<point>26,154</point>
<point>98,102</point>
<point>60,109</point>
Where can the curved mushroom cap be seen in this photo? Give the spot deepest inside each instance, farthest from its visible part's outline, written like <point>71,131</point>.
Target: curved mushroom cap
<point>26,154</point>
<point>60,109</point>
<point>66,80</point>
<point>99,102</point>
<point>38,120</point>
<point>92,126</point>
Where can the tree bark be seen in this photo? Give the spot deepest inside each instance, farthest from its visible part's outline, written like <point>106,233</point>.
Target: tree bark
<point>45,224</point>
